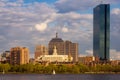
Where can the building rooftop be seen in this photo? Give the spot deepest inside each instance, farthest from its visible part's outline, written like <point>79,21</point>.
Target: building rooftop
<point>56,39</point>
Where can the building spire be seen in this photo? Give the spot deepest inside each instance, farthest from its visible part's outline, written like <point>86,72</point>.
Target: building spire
<point>101,2</point>
<point>56,35</point>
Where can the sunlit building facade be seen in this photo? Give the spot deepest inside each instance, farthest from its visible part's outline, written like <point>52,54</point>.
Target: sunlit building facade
<point>54,57</point>
<point>19,55</point>
<point>40,50</point>
<point>101,31</point>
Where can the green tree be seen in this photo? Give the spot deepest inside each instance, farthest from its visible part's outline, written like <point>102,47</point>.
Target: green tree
<point>82,68</point>
<point>38,68</point>
<point>5,67</point>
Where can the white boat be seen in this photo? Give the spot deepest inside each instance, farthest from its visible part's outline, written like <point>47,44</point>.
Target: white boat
<point>53,72</point>
<point>3,72</point>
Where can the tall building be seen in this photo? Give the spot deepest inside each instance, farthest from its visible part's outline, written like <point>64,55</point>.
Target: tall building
<point>64,47</point>
<point>40,50</point>
<point>101,31</point>
<point>19,55</point>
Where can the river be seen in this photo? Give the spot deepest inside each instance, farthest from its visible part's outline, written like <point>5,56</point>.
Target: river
<point>60,77</point>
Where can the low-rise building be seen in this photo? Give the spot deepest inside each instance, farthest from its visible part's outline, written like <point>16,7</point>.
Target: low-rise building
<point>86,59</point>
<point>5,57</point>
<point>54,57</point>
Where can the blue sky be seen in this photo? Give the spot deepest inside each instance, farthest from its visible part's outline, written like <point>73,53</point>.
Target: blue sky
<point>32,22</point>
<point>47,1</point>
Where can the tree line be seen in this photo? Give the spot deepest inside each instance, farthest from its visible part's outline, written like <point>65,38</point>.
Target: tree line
<point>60,69</point>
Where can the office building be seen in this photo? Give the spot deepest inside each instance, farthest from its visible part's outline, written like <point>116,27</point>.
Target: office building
<point>19,55</point>
<point>64,47</point>
<point>40,50</point>
<point>101,31</point>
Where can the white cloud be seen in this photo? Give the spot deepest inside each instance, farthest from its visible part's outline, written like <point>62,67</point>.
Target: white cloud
<point>116,11</point>
<point>21,20</point>
<point>41,26</point>
<point>114,54</point>
<point>80,5</point>
<point>89,52</point>
<point>71,5</point>
<point>64,29</point>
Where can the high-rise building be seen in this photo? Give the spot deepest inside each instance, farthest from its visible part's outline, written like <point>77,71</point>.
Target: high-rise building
<point>40,50</point>
<point>101,31</point>
<point>64,47</point>
<point>19,55</point>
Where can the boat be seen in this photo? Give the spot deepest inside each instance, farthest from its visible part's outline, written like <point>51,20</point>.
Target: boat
<point>3,72</point>
<point>53,72</point>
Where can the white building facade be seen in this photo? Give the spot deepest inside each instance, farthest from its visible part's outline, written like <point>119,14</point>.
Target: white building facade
<point>54,57</point>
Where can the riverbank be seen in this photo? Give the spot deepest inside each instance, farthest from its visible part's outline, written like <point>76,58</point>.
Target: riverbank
<point>59,69</point>
<point>61,73</point>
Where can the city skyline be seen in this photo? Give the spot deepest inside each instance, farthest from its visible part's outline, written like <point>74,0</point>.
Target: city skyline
<point>21,21</point>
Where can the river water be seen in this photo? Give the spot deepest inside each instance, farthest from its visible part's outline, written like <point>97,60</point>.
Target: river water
<point>60,77</point>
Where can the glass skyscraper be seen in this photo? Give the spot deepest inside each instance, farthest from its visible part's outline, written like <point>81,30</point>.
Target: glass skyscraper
<point>101,31</point>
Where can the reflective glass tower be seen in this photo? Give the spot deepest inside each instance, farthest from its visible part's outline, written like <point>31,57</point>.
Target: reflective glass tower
<point>101,31</point>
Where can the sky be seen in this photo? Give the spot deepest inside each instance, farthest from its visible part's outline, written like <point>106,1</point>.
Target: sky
<point>28,23</point>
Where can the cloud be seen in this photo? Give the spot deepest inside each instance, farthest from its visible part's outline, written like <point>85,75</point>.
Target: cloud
<point>116,11</point>
<point>115,29</point>
<point>65,6</point>
<point>114,54</point>
<point>36,23</point>
<point>64,29</point>
<point>41,26</point>
<point>87,53</point>
<point>70,5</point>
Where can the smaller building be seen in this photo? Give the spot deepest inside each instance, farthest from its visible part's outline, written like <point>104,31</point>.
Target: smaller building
<point>32,60</point>
<point>54,57</point>
<point>86,59</point>
<point>5,57</point>
<point>115,62</point>
<point>40,50</point>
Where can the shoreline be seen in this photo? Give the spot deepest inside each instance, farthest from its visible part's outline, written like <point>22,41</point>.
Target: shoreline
<point>62,73</point>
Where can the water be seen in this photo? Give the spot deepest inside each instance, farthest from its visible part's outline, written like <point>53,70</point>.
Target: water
<point>60,77</point>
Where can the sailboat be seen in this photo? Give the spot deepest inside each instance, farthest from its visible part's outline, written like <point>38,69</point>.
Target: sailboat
<point>53,72</point>
<point>3,72</point>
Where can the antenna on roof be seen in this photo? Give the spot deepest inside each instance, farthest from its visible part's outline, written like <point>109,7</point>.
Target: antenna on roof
<point>101,2</point>
<point>56,35</point>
